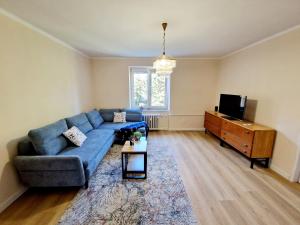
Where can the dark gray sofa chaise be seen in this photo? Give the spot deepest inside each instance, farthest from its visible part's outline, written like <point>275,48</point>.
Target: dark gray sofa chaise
<point>47,159</point>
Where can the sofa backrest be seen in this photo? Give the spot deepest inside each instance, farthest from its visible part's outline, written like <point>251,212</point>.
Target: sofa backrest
<point>132,115</point>
<point>108,114</point>
<point>49,140</point>
<point>81,122</point>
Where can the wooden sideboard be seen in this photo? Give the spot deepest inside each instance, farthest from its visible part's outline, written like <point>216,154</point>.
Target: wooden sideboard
<point>253,140</point>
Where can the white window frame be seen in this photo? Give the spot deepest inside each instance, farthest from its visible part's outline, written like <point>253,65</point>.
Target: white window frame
<point>149,70</point>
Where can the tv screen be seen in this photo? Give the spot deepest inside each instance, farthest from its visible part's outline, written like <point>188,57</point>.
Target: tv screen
<point>232,105</point>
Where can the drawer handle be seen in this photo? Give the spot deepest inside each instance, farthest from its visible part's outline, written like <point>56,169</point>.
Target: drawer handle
<point>245,145</point>
<point>225,133</point>
<point>245,151</point>
<point>247,132</point>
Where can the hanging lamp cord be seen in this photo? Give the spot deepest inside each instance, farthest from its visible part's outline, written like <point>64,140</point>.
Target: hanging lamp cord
<point>164,25</point>
<point>164,43</point>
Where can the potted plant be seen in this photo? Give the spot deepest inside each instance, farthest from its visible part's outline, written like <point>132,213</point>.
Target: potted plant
<point>136,136</point>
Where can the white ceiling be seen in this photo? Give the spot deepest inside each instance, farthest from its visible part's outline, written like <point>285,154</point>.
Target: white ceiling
<point>132,28</point>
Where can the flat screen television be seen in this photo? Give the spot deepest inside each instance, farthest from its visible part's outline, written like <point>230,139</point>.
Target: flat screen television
<point>233,106</point>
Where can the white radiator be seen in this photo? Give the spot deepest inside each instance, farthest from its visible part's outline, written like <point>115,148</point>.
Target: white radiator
<point>152,120</point>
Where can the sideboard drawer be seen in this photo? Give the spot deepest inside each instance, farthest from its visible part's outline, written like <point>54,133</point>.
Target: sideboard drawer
<point>246,149</point>
<point>245,135</point>
<point>236,142</point>
<point>230,140</point>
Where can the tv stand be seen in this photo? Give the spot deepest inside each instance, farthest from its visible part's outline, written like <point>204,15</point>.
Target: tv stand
<point>253,140</point>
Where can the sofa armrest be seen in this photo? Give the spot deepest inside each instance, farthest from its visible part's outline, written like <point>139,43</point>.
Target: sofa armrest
<point>46,171</point>
<point>32,163</point>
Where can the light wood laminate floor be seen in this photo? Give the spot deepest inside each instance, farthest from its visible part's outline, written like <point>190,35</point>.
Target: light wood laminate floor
<point>221,186</point>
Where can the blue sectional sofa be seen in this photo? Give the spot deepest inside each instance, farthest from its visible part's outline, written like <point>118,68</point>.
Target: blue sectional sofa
<point>47,159</point>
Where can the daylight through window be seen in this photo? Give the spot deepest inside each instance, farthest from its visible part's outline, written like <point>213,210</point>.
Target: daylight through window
<point>148,90</point>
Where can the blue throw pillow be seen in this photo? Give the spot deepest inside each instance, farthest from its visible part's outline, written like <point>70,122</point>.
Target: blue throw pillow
<point>81,122</point>
<point>94,118</point>
<point>48,140</point>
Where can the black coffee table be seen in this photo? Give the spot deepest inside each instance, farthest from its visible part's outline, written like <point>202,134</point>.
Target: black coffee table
<point>134,160</point>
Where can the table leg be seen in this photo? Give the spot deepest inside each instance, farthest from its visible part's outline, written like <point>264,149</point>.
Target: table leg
<point>252,163</point>
<point>122,159</point>
<point>126,161</point>
<point>145,164</point>
<point>267,163</point>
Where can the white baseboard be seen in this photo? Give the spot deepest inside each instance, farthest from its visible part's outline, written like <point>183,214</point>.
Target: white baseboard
<point>280,171</point>
<point>296,170</point>
<point>157,129</point>
<point>12,198</point>
<point>177,129</point>
<point>187,129</point>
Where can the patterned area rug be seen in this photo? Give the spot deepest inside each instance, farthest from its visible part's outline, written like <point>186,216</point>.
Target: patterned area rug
<point>110,200</point>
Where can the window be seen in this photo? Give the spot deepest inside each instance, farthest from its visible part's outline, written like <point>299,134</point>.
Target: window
<point>148,90</point>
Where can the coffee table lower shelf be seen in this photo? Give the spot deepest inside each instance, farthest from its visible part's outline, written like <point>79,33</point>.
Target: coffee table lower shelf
<point>134,165</point>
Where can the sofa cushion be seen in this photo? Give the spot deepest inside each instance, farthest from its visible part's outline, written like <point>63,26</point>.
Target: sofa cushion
<point>80,121</point>
<point>91,147</point>
<point>133,115</point>
<point>92,165</point>
<point>49,140</point>
<point>94,118</point>
<point>108,114</point>
<point>114,126</point>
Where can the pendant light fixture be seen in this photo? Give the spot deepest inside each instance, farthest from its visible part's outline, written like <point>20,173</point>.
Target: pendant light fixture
<point>164,65</point>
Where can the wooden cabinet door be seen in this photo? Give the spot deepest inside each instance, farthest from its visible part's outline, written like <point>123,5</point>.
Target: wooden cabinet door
<point>263,144</point>
<point>213,124</point>
<point>213,119</point>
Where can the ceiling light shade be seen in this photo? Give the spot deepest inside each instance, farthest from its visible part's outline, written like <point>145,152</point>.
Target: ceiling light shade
<point>164,65</point>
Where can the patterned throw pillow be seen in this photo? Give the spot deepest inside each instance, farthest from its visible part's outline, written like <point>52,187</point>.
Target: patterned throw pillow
<point>75,136</point>
<point>119,117</point>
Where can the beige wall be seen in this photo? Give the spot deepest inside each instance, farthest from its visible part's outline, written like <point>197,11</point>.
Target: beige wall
<point>41,81</point>
<point>193,87</point>
<point>270,73</point>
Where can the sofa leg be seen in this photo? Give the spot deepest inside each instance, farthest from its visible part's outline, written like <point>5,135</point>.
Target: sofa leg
<point>86,185</point>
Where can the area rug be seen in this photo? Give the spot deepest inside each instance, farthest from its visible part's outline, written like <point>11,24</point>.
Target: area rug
<point>110,200</point>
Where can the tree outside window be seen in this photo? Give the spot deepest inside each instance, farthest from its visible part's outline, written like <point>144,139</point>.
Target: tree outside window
<point>148,90</point>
